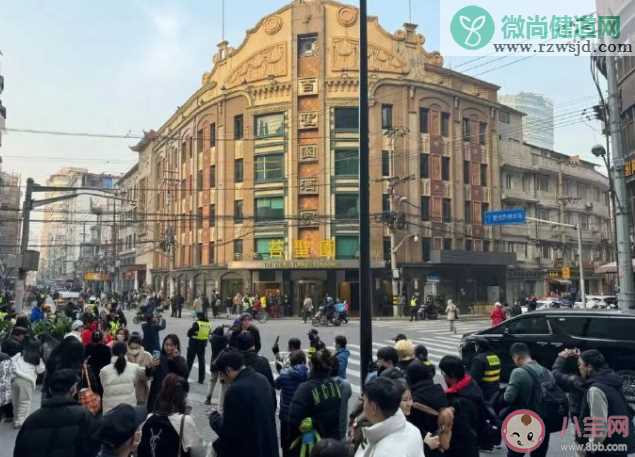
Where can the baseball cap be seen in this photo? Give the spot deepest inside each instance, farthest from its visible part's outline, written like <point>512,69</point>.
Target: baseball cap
<point>77,324</point>
<point>119,425</point>
<point>400,337</point>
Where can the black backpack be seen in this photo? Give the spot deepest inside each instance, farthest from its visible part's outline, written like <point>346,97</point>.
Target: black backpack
<point>548,400</point>
<point>159,439</point>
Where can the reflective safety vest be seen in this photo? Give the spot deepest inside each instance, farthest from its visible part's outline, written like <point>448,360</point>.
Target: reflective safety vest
<point>114,327</point>
<point>2,315</point>
<point>413,302</point>
<point>204,328</point>
<point>492,372</point>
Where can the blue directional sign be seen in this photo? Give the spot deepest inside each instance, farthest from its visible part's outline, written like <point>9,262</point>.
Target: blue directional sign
<point>506,216</point>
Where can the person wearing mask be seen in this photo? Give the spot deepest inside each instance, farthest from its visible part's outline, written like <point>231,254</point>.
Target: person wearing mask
<point>122,335</point>
<point>497,315</point>
<point>77,327</point>
<point>406,351</point>
<point>603,398</point>
<point>118,433</point>
<point>28,365</point>
<point>288,382</point>
<point>319,399</point>
<point>520,391</point>
<point>389,434</point>
<point>97,356</point>
<point>218,343</point>
<point>170,431</point>
<point>485,369</point>
<point>118,379</point>
<point>198,335</point>
<point>307,308</point>
<point>15,343</point>
<point>452,314</point>
<point>169,361</point>
<point>467,399</point>
<point>137,354</point>
<point>247,427</point>
<point>61,427</point>
<point>341,354</point>
<point>151,328</point>
<point>246,324</point>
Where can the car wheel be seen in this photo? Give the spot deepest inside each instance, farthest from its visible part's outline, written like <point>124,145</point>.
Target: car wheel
<point>628,386</point>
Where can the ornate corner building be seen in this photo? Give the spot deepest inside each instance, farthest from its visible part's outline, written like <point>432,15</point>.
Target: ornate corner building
<point>252,184</point>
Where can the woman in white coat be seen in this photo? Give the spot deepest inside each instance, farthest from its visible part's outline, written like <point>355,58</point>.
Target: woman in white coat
<point>118,379</point>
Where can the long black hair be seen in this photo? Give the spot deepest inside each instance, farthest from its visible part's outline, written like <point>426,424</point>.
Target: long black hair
<point>119,350</point>
<point>175,341</point>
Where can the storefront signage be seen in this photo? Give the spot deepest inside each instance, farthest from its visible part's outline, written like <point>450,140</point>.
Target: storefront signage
<point>311,264</point>
<point>302,249</point>
<point>629,168</point>
<point>96,276</point>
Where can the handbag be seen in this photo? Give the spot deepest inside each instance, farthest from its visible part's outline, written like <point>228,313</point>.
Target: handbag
<point>87,396</point>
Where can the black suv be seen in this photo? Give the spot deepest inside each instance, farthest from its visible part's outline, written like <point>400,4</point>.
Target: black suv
<point>547,332</point>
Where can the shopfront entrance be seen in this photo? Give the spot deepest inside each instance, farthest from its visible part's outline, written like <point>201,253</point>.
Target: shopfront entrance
<point>307,288</point>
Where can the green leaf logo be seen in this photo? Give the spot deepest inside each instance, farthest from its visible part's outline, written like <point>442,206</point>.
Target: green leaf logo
<point>472,27</point>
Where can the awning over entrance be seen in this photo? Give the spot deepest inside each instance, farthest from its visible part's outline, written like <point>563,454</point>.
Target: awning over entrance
<point>136,267</point>
<point>610,267</point>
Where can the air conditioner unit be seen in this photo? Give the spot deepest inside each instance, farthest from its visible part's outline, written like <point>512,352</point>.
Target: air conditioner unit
<point>588,205</point>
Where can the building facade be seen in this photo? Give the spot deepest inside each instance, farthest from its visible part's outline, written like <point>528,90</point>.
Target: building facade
<point>9,226</point>
<point>538,123</point>
<point>252,184</point>
<point>3,109</point>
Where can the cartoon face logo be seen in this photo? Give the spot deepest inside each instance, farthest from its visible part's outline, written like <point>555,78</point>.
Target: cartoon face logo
<point>523,431</point>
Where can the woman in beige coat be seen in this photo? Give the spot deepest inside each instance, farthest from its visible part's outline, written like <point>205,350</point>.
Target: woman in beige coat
<point>452,314</point>
<point>137,354</point>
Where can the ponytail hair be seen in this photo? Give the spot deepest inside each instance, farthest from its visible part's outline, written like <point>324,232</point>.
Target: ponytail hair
<point>119,350</point>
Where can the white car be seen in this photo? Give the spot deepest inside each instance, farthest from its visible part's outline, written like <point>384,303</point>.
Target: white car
<point>598,302</point>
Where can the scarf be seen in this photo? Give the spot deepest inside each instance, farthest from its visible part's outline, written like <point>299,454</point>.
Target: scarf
<point>459,386</point>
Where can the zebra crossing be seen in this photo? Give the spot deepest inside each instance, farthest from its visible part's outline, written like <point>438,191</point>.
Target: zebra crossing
<point>437,326</point>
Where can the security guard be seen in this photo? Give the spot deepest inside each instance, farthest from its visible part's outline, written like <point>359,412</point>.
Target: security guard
<point>198,335</point>
<point>414,305</point>
<point>486,370</point>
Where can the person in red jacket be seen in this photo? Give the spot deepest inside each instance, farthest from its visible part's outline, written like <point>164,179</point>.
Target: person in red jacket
<point>498,314</point>
<point>90,326</point>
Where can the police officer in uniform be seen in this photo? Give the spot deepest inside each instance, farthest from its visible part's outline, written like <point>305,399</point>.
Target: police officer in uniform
<point>486,370</point>
<point>414,306</point>
<point>198,335</point>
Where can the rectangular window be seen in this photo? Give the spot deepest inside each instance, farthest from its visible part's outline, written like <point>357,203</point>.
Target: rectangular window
<point>199,253</point>
<point>212,215</point>
<point>466,172</point>
<point>468,244</point>
<point>263,247</point>
<point>199,180</point>
<point>385,163</point>
<point>487,246</point>
<point>483,174</point>
<point>212,134</point>
<point>445,168</point>
<point>385,203</point>
<point>424,165</point>
<point>484,209</point>
<point>504,117</point>
<point>269,125</point>
<point>482,132</point>
<point>467,213</point>
<point>307,45</point>
<point>199,216</point>
<point>447,210</point>
<point>346,206</point>
<point>239,124</point>
<point>347,119</point>
<point>425,208</point>
<point>269,209</point>
<point>346,247</point>
<point>190,146</point>
<point>347,162</point>
<point>542,183</point>
<point>445,125</point>
<point>269,167</point>
<point>386,117</point>
<point>212,176</point>
<point>210,253</point>
<point>239,172</point>
<point>183,152</point>
<point>447,244</point>
<point>238,249</point>
<point>199,141</point>
<point>238,212</point>
<point>508,182</point>
<point>426,249</point>
<point>466,130</point>
<point>423,120</point>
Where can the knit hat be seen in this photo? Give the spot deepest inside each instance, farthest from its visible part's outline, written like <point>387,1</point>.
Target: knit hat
<point>405,349</point>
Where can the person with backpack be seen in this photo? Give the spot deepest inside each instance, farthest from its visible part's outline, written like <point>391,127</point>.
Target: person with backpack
<point>604,399</point>
<point>170,431</point>
<point>532,386</point>
<point>288,382</point>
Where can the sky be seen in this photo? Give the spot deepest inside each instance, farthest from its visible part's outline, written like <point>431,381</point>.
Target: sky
<point>123,66</point>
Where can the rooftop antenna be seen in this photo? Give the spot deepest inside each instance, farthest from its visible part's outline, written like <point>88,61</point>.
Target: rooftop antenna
<point>410,11</point>
<point>222,14</point>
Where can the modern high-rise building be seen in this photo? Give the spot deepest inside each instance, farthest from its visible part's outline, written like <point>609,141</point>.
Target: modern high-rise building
<point>538,122</point>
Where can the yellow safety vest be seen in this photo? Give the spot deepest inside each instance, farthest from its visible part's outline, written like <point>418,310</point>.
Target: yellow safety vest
<point>413,302</point>
<point>493,371</point>
<point>2,315</point>
<point>204,328</point>
<point>114,327</point>
<point>263,302</point>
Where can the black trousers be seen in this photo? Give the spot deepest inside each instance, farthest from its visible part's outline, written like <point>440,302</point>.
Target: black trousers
<point>196,349</point>
<point>413,313</point>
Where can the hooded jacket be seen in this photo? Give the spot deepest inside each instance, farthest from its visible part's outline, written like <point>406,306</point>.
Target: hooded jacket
<point>432,395</point>
<point>391,437</point>
<point>467,399</point>
<point>288,382</point>
<point>342,355</point>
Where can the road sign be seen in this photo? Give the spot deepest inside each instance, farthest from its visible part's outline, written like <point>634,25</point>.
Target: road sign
<point>506,216</point>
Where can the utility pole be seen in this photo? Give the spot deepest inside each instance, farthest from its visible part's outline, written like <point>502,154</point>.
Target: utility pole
<point>20,284</point>
<point>623,221</point>
<point>115,275</point>
<point>365,282</point>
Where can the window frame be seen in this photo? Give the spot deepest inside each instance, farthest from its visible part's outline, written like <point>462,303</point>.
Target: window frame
<point>446,169</point>
<point>268,219</point>
<point>341,110</point>
<point>259,117</point>
<point>385,163</point>
<point>447,201</point>
<point>424,159</point>
<point>239,171</point>
<point>350,195</point>
<point>341,238</point>
<point>265,157</point>
<point>239,211</point>
<point>445,124</point>
<point>337,169</point>
<point>212,134</point>
<point>424,120</point>
<point>239,127</point>
<point>425,208</point>
<point>386,116</point>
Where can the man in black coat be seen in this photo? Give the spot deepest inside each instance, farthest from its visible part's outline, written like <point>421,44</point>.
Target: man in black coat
<point>260,364</point>
<point>13,345</point>
<point>247,427</point>
<point>246,324</point>
<point>62,427</point>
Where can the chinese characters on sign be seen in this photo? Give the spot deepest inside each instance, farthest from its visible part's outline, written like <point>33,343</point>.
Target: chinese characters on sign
<point>597,427</point>
<point>302,249</point>
<point>560,27</point>
<point>508,216</point>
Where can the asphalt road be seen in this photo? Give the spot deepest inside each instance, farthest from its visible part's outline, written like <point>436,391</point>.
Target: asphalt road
<point>434,334</point>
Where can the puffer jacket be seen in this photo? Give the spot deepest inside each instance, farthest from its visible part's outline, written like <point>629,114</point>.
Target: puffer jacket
<point>26,370</point>
<point>119,388</point>
<point>392,437</point>
<point>143,359</point>
<point>288,382</point>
